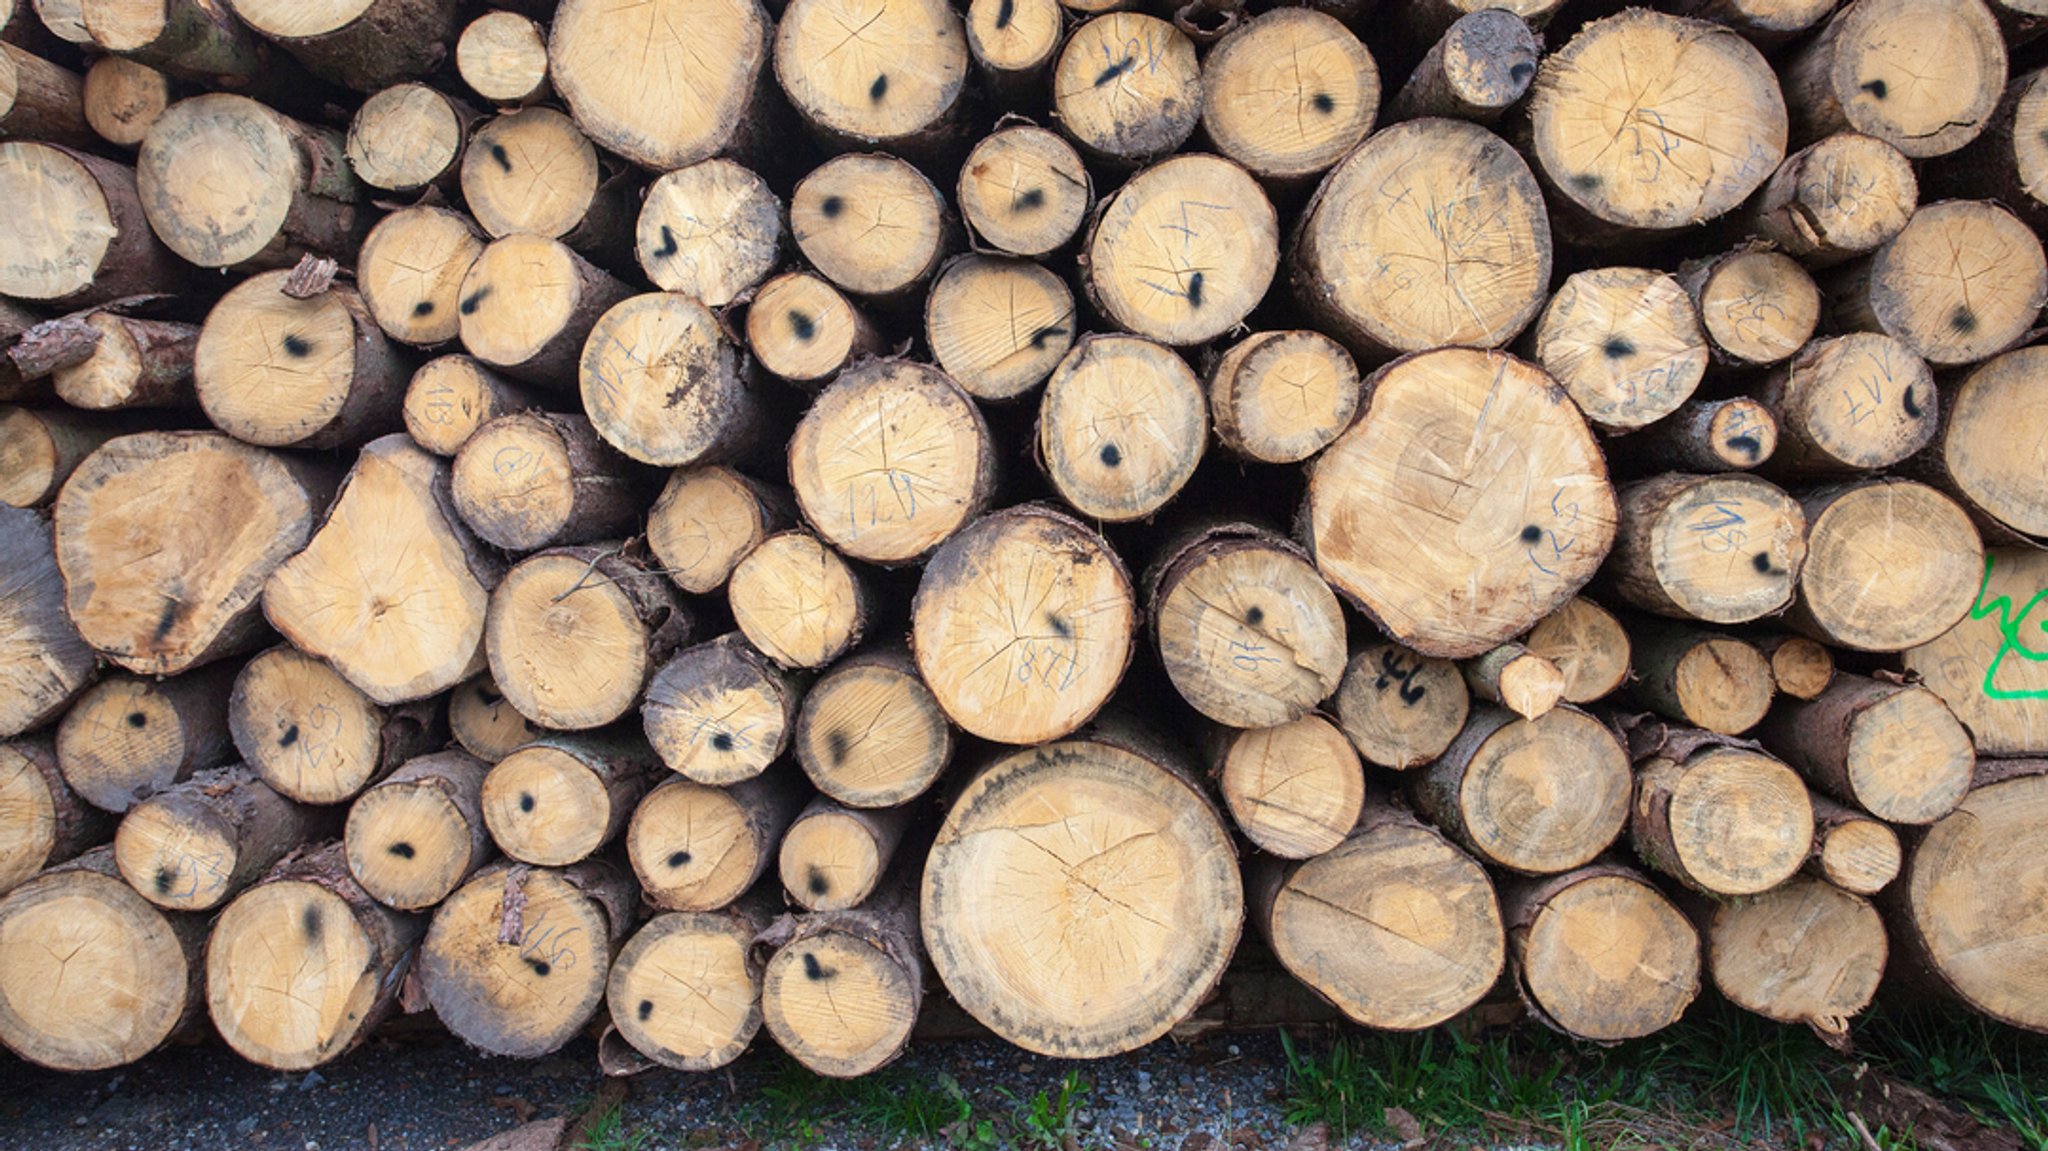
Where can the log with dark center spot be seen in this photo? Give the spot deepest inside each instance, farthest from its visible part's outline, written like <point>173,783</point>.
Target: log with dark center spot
<point>1874,87</point>
<point>1028,200</point>
<point>878,89</point>
<point>310,922</point>
<point>722,741</point>
<point>815,970</point>
<point>475,300</point>
<point>297,348</point>
<point>1110,456</point>
<point>678,858</point>
<point>423,308</point>
<point>499,154</point>
<point>1255,616</point>
<point>1117,69</point>
<point>290,736</point>
<point>1323,103</point>
<point>1617,348</point>
<point>1522,71</point>
<point>137,719</point>
<point>1194,292</point>
<point>1531,533</point>
<point>817,883</point>
<point>525,801</point>
<point>1585,181</point>
<point>806,329</point>
<point>646,1009</point>
<point>1963,319</point>
<point>832,206</point>
<point>1059,625</point>
<point>836,746</point>
<point>669,247</point>
<point>402,850</point>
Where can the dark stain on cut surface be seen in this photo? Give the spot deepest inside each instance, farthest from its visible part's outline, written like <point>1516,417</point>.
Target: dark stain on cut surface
<point>815,970</point>
<point>817,883</point>
<point>526,801</point>
<point>1617,348</point>
<point>402,850</point>
<point>1059,626</point>
<point>1749,446</point>
<point>499,154</point>
<point>1963,320</point>
<point>806,328</point>
<point>475,300</point>
<point>1111,457</point>
<point>310,922</point>
<point>137,720</point>
<point>646,1009</point>
<point>1114,70</point>
<point>1045,335</point>
<point>290,736</point>
<point>423,308</point>
<point>1531,533</point>
<point>1323,103</point>
<point>297,348</point>
<point>1874,87</point>
<point>878,89</point>
<point>678,858</point>
<point>669,247</point>
<point>722,741</point>
<point>1762,562</point>
<point>540,967</point>
<point>168,620</point>
<point>1255,616</point>
<point>1007,9</point>
<point>1911,405</point>
<point>832,206</point>
<point>1194,291</point>
<point>836,746</point>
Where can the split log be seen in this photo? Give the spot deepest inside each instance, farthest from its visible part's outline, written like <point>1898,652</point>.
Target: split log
<point>870,223</point>
<point>279,371</point>
<point>1023,190</point>
<point>1758,307</point>
<point>532,171</point>
<point>1699,677</point>
<point>1295,790</point>
<point>1806,952</point>
<point>450,397</point>
<point>503,57</point>
<point>998,326</point>
<point>129,737</point>
<point>1868,71</point>
<point>535,479</point>
<point>842,989</point>
<point>229,183</point>
<point>193,846</point>
<point>1481,67</point>
<point>679,82</point>
<point>711,230</point>
<point>1122,426</point>
<point>1288,93</point>
<point>1395,927</point>
<point>1535,796</point>
<point>134,972</point>
<point>1587,645</point>
<point>1705,125</point>
<point>1893,750</point>
<point>1600,954</point>
<point>834,857</point>
<point>304,966</point>
<point>44,662</point>
<point>2009,161</point>
<point>1023,625</point>
<point>1963,281</point>
<point>1801,667</point>
<point>1127,88</point>
<point>1849,404</point>
<point>706,521</point>
<point>802,329</point>
<point>560,798</point>
<point>315,737</point>
<point>409,137</point>
<point>41,100</point>
<point>1837,198</point>
<point>1281,397</point>
<point>1851,850</point>
<point>1248,632</point>
<point>527,305</point>
<point>699,848</point>
<point>1451,540</point>
<point>1012,43</point>
<point>574,633</point>
<point>43,822</point>
<point>1853,526</point>
<point>1730,435</point>
<point>414,837</point>
<point>1969,917</point>
<point>485,723</point>
<point>40,448</point>
<point>870,733</point>
<point>663,383</point>
<point>797,601</point>
<point>1216,269</point>
<point>1111,840</point>
<point>515,961</point>
<point>1625,343</point>
<point>1721,819</point>
<point>1719,548</point>
<point>2003,700</point>
<point>1989,419</point>
<point>157,593</point>
<point>685,991</point>
<point>84,237</point>
<point>1401,708</point>
<point>890,461</point>
<point>859,92</point>
<point>721,712</point>
<point>1518,679</point>
<point>410,272</point>
<point>393,589</point>
<point>135,364</point>
<point>366,45</point>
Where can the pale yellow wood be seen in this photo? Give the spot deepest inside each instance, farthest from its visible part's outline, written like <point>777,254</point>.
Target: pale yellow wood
<point>123,98</point>
<point>1839,197</point>
<point>699,848</point>
<point>404,138</point>
<point>1127,87</point>
<point>872,70</point>
<point>273,370</point>
<point>28,817</point>
<point>503,57</point>
<point>1758,307</point>
<point>1803,953</point>
<point>410,271</point>
<point>1538,796</point>
<point>870,733</point>
<point>801,328</point>
<point>1724,549</point>
<point>706,520</point>
<point>1294,790</point>
<point>1184,250</point>
<point>300,18</point>
<point>55,246</point>
<point>839,998</point>
<point>1401,708</point>
<point>1587,644</point>
<point>412,839</point>
<point>545,806</point>
<point>662,383</point>
<point>1977,891</point>
<point>1122,426</point>
<point>711,230</point>
<point>1281,397</point>
<point>1995,418</point>
<point>291,975</point>
<point>1024,190</point>
<point>1735,822</point>
<point>999,326</point>
<point>529,171</point>
<point>450,397</point>
<point>869,222</point>
<point>1850,403</point>
<point>1964,279</point>
<point>1289,92</point>
<point>685,992</point>
<point>1852,590</point>
<point>522,988</point>
<point>1609,958</point>
<point>1985,668</point>
<point>664,84</point>
<point>1921,75</point>
<point>1625,343</point>
<point>485,723</point>
<point>797,600</point>
<point>303,729</point>
<point>566,644</point>
<point>1249,633</point>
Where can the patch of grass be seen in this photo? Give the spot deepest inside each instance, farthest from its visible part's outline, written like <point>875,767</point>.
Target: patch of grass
<point>610,1133</point>
<point>1441,1078</point>
<point>1049,1122</point>
<point>898,1108</point>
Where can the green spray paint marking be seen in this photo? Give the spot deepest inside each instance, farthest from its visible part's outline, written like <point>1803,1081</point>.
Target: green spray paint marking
<point>2009,632</point>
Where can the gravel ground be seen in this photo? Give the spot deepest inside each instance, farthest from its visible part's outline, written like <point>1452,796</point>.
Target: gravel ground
<point>418,1094</point>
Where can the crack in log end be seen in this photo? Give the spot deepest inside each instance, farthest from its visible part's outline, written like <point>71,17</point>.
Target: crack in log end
<point>402,850</point>
<point>297,348</point>
<point>311,924</point>
<point>499,154</point>
<point>878,89</point>
<point>526,801</point>
<point>290,736</point>
<point>832,206</point>
<point>646,1010</point>
<point>814,970</point>
<point>817,883</point>
<point>679,859</point>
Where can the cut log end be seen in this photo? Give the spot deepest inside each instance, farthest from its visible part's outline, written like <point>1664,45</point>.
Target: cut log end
<point>1803,953</point>
<point>1215,272</point>
<point>1127,87</point>
<point>1122,427</point>
<point>719,713</point>
<point>414,838</point>
<point>410,273</point>
<point>797,601</point>
<point>871,223</point>
<point>685,992</point>
<point>1603,956</point>
<point>1281,397</point>
<point>1865,72</point>
<point>1288,93</point>
<point>998,326</point>
<point>870,733</point>
<point>1724,549</point>
<point>712,230</point>
<point>1535,796</point>
<point>1295,790</point>
<point>869,96</point>
<point>1625,343</point>
<point>1401,708</point>
<point>1589,647</point>
<point>1024,191</point>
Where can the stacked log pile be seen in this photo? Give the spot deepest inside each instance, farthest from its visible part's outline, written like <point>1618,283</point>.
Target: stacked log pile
<point>681,519</point>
